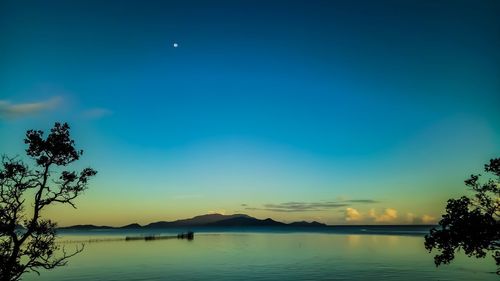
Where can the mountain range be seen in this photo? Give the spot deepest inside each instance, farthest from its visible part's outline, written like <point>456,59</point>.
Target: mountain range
<point>209,220</point>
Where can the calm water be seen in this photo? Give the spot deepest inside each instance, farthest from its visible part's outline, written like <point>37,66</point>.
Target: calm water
<point>264,256</point>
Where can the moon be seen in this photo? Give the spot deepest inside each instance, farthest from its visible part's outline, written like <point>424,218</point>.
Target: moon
<point>175,45</point>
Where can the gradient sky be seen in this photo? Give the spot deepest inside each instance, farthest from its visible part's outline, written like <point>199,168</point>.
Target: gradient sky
<point>338,111</point>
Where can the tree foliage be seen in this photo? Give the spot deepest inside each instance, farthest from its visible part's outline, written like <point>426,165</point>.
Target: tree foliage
<point>471,223</point>
<point>27,241</point>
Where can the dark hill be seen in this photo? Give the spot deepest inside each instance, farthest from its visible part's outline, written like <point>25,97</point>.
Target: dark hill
<point>131,226</point>
<point>202,220</point>
<point>85,227</point>
<point>246,221</point>
<point>209,220</point>
<point>307,224</point>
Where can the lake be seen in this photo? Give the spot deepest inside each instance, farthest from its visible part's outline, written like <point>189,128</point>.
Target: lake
<point>263,255</point>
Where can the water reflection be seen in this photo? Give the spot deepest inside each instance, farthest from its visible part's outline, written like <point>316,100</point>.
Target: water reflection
<point>265,256</point>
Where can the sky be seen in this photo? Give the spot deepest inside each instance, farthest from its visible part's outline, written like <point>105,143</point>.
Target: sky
<point>344,112</point>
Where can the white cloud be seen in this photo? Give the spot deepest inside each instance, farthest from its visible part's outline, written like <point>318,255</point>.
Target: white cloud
<point>427,219</point>
<point>352,214</point>
<point>389,215</point>
<point>411,217</point>
<point>10,110</point>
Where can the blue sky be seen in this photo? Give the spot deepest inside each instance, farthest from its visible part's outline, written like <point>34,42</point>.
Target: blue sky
<point>262,103</point>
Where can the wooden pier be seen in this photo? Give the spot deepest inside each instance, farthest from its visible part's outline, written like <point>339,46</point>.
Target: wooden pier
<point>188,236</point>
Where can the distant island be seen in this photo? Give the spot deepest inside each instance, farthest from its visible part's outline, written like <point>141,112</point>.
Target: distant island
<point>209,220</point>
<point>243,221</point>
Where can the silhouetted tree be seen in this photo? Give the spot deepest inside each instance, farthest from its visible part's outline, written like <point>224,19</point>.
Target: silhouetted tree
<point>27,242</point>
<point>471,224</point>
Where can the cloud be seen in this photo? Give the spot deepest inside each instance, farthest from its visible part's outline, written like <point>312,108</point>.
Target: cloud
<point>299,206</point>
<point>11,110</point>
<point>308,206</point>
<point>411,218</point>
<point>389,215</point>
<point>367,201</point>
<point>352,214</point>
<point>425,219</point>
<point>96,113</point>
